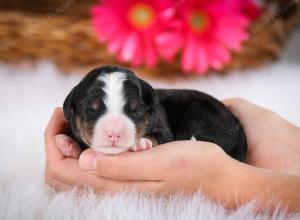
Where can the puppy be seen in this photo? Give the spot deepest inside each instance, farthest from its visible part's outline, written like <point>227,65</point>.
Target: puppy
<point>112,111</point>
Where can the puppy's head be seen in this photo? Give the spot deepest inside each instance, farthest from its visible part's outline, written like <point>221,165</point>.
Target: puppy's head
<point>110,109</point>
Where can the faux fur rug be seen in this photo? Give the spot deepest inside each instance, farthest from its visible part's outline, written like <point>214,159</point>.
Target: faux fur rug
<point>27,99</point>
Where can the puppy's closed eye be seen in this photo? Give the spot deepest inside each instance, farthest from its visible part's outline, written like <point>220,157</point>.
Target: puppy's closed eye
<point>133,105</point>
<point>92,109</point>
<point>91,112</point>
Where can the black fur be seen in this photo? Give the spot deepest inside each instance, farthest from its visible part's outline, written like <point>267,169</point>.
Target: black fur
<point>195,113</point>
<point>165,114</point>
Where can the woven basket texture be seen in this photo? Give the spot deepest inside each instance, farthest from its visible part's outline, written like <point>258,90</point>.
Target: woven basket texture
<point>61,31</point>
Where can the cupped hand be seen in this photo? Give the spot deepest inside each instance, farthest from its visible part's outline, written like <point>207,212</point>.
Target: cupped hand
<point>64,173</point>
<point>178,166</point>
<point>273,143</point>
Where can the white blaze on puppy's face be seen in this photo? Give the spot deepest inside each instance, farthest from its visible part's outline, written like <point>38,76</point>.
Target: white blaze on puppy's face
<point>114,132</point>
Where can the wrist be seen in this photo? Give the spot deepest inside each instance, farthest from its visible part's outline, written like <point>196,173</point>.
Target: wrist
<point>226,172</point>
<point>237,184</point>
<point>295,135</point>
<point>244,183</point>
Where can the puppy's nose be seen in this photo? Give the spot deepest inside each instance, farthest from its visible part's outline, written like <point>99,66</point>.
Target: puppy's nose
<point>113,136</point>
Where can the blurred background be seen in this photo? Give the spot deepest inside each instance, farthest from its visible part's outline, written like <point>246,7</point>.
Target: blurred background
<point>157,38</point>
<point>227,48</point>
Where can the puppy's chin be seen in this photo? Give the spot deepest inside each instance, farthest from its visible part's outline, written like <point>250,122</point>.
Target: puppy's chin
<point>110,150</point>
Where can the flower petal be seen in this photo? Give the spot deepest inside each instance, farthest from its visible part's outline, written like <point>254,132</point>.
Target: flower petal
<point>116,43</point>
<point>168,44</point>
<point>236,21</point>
<point>189,52</point>
<point>201,59</point>
<point>150,57</point>
<point>218,55</point>
<point>129,48</point>
<point>137,59</point>
<point>231,37</point>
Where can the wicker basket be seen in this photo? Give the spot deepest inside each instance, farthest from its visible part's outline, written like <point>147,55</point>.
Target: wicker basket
<point>61,31</point>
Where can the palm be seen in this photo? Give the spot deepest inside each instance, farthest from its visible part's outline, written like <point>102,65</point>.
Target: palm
<point>271,140</point>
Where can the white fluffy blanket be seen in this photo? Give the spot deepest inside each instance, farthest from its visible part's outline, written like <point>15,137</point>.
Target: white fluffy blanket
<point>27,99</point>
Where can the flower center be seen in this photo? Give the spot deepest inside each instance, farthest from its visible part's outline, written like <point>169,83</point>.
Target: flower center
<point>198,21</point>
<point>141,15</point>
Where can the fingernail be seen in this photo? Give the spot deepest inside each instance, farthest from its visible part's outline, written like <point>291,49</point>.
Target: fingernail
<point>60,140</point>
<point>88,160</point>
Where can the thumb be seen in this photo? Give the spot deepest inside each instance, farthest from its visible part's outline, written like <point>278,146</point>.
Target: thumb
<point>87,160</point>
<point>143,165</point>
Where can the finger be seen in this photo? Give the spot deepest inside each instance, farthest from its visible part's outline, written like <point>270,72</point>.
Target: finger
<point>58,185</point>
<point>237,104</point>
<point>70,175</point>
<point>57,125</point>
<point>144,165</point>
<point>234,106</point>
<point>103,185</point>
<point>67,146</point>
<point>242,108</point>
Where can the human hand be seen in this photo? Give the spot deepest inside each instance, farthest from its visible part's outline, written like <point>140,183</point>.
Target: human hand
<point>63,172</point>
<point>273,143</point>
<point>178,166</point>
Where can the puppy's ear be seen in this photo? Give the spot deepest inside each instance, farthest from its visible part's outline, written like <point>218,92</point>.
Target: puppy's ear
<point>68,105</point>
<point>148,93</point>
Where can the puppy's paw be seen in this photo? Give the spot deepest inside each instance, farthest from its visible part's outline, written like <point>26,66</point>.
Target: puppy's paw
<point>143,144</point>
<point>67,146</point>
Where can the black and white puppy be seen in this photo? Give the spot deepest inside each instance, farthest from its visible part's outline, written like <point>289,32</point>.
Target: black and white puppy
<point>113,111</point>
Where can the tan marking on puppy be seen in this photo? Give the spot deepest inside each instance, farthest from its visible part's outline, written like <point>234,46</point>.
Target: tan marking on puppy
<point>143,143</point>
<point>85,130</point>
<point>140,130</point>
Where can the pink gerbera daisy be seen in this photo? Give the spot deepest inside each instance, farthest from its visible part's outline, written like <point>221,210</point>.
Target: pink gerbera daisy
<point>130,27</point>
<point>210,29</point>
